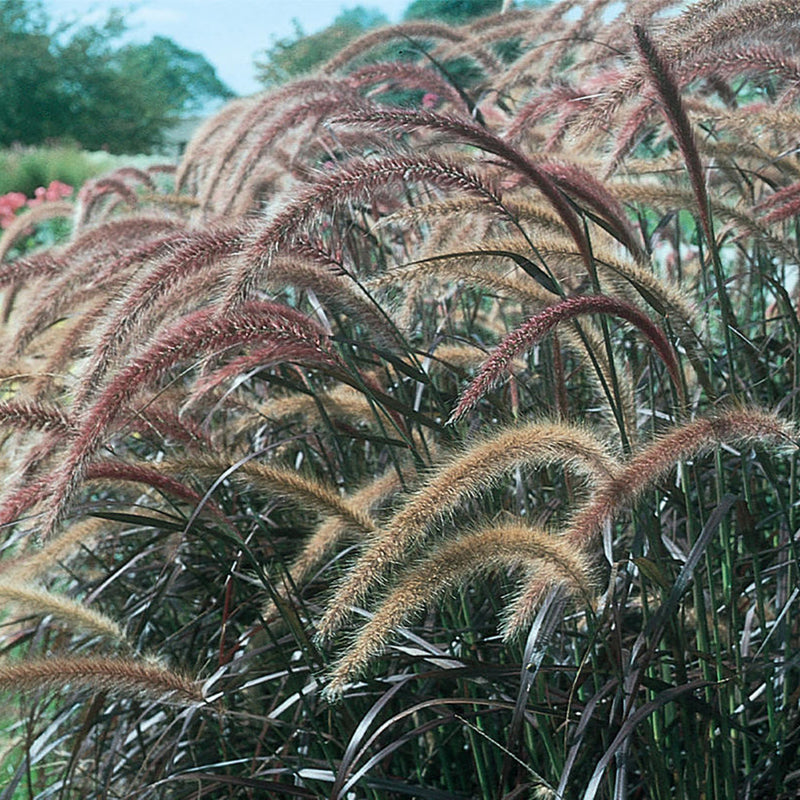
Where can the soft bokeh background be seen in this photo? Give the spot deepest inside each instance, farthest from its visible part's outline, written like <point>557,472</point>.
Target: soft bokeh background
<point>230,35</point>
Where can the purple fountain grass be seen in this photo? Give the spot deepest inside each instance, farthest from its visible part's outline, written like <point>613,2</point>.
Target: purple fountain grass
<point>790,209</point>
<point>45,264</point>
<point>695,14</point>
<point>631,130</point>
<point>251,121</point>
<point>455,563</point>
<point>337,292</point>
<point>524,25</point>
<point>742,426</point>
<point>575,117</point>
<point>22,498</point>
<point>24,414</point>
<point>109,472</point>
<point>139,239</point>
<point>578,181</point>
<point>538,326</point>
<point>288,122</point>
<point>83,280</point>
<point>45,450</point>
<point>561,97</point>
<point>97,245</point>
<point>465,476</point>
<point>673,198</point>
<point>358,178</point>
<point>54,427</point>
<point>93,192</point>
<point>158,420</point>
<point>332,532</point>
<point>510,22</point>
<point>203,149</point>
<point>666,88</point>
<point>32,216</point>
<point>189,255</point>
<point>405,75</point>
<point>113,238</point>
<point>590,339</point>
<point>270,355</point>
<point>346,408</point>
<point>739,426</point>
<point>162,168</point>
<point>408,30</point>
<point>611,43</point>
<point>600,97</point>
<point>198,334</point>
<point>779,196</point>
<point>689,34</point>
<point>663,82</point>
<point>781,205</point>
<point>60,359</point>
<point>32,599</point>
<point>741,21</point>
<point>312,495</point>
<point>139,678</point>
<point>161,420</point>
<point>471,47</point>
<point>472,133</point>
<point>263,188</point>
<point>152,476</point>
<point>739,61</point>
<point>583,29</point>
<point>35,563</point>
<point>134,175</point>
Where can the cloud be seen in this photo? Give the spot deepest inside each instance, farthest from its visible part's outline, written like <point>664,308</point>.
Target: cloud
<point>149,15</point>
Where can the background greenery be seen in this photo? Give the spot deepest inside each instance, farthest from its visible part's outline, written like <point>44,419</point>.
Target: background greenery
<point>297,55</point>
<point>77,85</point>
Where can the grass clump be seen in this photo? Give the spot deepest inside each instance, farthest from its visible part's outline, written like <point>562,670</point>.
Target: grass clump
<point>24,169</point>
<point>444,451</point>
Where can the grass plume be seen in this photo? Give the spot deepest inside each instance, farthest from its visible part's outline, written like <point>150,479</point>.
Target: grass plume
<point>453,484</point>
<point>35,600</point>
<point>200,333</point>
<point>126,676</point>
<point>305,491</point>
<point>495,368</point>
<point>455,563</point>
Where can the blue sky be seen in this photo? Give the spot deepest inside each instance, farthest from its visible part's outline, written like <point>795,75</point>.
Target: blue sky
<point>229,33</point>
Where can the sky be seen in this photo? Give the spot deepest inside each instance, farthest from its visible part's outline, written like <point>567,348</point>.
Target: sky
<point>229,33</point>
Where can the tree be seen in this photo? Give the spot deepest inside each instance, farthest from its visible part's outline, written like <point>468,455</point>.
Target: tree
<point>185,80</point>
<point>455,12</point>
<point>296,55</point>
<point>76,84</point>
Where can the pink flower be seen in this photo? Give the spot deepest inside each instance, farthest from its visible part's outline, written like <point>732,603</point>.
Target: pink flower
<point>38,198</point>
<point>13,200</point>
<point>430,100</point>
<point>57,190</point>
<point>9,204</point>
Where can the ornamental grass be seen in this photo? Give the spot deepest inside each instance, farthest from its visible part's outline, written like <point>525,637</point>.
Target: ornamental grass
<point>430,431</point>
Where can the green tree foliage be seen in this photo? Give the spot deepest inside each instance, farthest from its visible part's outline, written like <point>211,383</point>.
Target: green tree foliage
<point>77,84</point>
<point>454,12</point>
<point>184,79</point>
<point>300,54</point>
<point>296,55</point>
